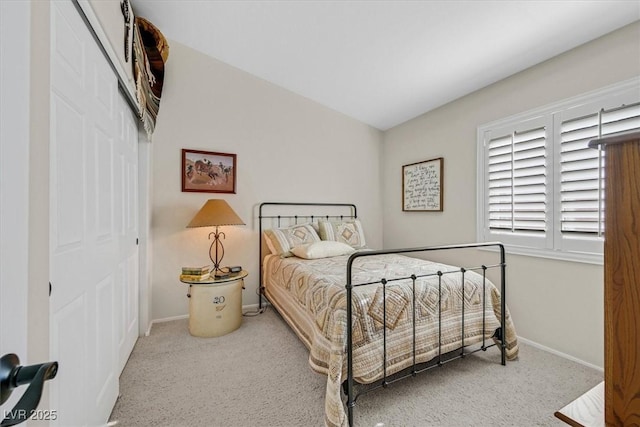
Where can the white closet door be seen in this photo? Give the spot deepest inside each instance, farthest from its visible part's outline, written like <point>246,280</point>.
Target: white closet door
<point>127,288</point>
<point>93,183</point>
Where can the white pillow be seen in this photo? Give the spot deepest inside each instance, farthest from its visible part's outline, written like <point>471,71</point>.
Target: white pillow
<point>323,249</point>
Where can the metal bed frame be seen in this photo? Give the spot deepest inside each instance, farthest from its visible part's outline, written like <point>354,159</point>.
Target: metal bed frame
<point>349,386</point>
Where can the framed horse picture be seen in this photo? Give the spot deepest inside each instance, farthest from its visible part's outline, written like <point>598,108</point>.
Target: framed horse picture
<point>208,171</point>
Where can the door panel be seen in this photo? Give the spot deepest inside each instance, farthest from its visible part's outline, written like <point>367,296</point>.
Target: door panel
<point>93,153</point>
<point>130,312</point>
<point>70,389</point>
<point>67,188</point>
<point>128,146</point>
<point>104,185</point>
<point>105,356</point>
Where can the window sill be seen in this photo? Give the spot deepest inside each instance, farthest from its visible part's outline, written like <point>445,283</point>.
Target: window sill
<point>582,257</point>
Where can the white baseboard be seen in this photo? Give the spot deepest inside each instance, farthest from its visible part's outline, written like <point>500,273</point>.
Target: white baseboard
<point>245,308</point>
<point>253,307</point>
<point>559,353</point>
<point>250,307</point>
<point>165,319</point>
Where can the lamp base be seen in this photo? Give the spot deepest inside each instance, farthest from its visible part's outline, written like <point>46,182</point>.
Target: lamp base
<point>221,275</point>
<point>219,250</point>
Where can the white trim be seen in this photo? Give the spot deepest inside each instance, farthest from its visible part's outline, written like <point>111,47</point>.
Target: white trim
<point>165,319</point>
<point>245,308</point>
<point>481,173</point>
<point>565,248</point>
<point>171,318</point>
<point>104,41</point>
<point>144,232</point>
<point>250,307</point>
<point>254,307</point>
<point>586,258</point>
<point>559,353</point>
<point>15,174</point>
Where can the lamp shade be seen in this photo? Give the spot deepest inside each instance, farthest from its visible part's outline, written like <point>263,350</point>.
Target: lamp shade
<point>214,213</point>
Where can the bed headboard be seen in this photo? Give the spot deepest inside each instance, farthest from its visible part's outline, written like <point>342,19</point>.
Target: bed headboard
<point>284,214</point>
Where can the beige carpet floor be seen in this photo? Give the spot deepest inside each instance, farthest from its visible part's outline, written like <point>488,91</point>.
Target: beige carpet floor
<point>259,376</point>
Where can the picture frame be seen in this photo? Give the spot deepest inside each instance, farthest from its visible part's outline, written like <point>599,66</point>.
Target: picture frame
<point>208,172</point>
<point>422,186</point>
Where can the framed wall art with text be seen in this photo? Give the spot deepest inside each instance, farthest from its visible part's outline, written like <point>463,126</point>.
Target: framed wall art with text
<point>422,186</point>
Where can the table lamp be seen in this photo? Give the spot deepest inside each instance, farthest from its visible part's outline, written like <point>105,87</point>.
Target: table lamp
<point>214,213</point>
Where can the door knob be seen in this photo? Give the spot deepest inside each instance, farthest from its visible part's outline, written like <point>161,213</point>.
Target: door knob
<point>12,375</point>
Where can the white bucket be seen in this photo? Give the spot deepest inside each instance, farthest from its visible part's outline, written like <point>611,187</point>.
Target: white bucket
<point>215,309</point>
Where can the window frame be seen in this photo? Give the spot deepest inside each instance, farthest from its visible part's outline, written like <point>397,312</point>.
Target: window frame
<point>553,244</point>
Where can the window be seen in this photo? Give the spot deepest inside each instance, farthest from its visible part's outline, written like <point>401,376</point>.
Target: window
<point>540,187</point>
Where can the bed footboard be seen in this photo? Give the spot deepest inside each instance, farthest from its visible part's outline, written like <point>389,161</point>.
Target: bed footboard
<point>499,333</point>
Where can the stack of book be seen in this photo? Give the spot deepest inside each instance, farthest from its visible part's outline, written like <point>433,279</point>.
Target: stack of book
<point>196,274</point>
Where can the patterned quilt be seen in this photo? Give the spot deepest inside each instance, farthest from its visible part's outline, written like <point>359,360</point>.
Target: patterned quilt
<point>311,297</point>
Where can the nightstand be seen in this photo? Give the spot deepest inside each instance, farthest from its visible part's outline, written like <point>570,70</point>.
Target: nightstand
<point>215,305</point>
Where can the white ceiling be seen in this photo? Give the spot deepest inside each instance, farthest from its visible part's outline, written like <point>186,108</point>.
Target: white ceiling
<point>385,62</point>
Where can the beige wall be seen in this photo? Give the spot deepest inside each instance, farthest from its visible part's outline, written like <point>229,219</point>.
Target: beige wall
<point>288,149</point>
<point>554,303</point>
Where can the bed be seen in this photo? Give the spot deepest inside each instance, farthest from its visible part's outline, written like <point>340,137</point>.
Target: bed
<point>372,317</point>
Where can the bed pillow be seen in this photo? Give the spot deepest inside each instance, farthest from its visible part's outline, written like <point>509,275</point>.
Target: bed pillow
<point>281,240</point>
<point>322,249</point>
<point>348,231</point>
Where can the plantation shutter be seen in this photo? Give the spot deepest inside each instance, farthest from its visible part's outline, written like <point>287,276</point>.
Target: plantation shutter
<point>582,169</point>
<point>581,190</point>
<point>500,183</point>
<point>517,181</point>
